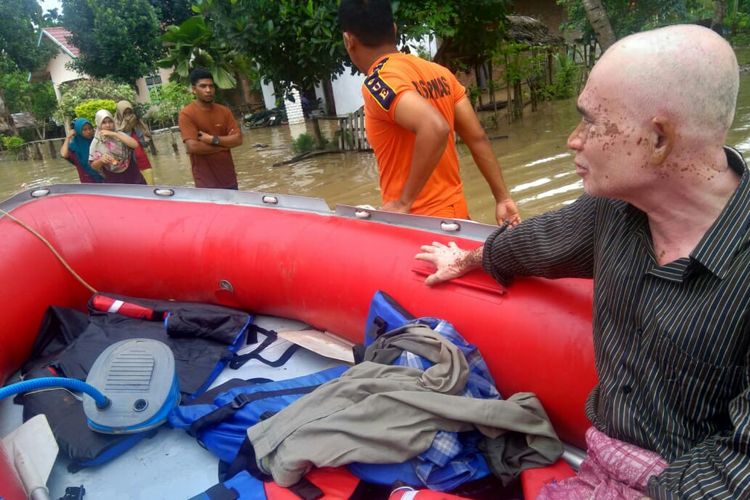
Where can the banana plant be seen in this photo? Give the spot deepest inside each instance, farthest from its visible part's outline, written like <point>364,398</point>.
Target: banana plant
<point>193,44</point>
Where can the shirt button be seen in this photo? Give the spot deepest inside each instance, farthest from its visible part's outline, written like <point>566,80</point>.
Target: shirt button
<point>626,389</point>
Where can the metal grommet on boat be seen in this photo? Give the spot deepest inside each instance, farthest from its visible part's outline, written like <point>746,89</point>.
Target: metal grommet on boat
<point>38,193</point>
<point>362,214</point>
<point>450,227</point>
<point>226,285</point>
<point>164,192</point>
<point>270,200</point>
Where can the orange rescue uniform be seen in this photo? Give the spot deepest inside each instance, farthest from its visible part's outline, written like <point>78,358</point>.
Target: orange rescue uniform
<point>393,145</point>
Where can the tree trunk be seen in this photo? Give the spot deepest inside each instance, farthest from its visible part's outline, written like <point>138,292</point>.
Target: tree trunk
<point>720,10</point>
<point>599,20</point>
<point>330,99</point>
<point>317,133</point>
<point>6,122</point>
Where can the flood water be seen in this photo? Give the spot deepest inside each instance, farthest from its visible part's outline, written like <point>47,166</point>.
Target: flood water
<point>536,163</point>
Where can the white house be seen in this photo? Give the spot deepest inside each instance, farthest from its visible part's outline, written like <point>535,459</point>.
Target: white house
<point>67,52</point>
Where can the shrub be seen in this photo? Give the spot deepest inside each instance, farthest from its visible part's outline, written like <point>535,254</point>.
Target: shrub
<point>12,142</point>
<point>303,144</point>
<point>87,109</point>
<point>565,78</point>
<point>173,97</point>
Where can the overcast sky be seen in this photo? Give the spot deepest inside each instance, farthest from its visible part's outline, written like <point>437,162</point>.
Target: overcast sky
<point>50,4</point>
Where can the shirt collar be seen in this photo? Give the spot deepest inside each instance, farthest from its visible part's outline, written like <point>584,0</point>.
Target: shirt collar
<point>722,241</point>
<point>724,238</point>
<point>380,61</point>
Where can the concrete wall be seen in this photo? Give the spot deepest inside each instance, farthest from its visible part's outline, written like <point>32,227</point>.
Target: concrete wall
<point>293,108</point>
<point>294,113</point>
<point>142,94</point>
<point>59,73</point>
<point>347,93</point>
<point>347,87</point>
<point>547,11</point>
<point>269,95</point>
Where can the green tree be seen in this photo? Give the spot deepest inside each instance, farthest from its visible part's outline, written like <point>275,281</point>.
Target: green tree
<point>720,12</point>
<point>118,39</point>
<point>37,98</point>
<point>53,17</point>
<point>295,44</point>
<point>627,17</point>
<point>173,97</point>
<point>470,32</point>
<point>43,105</point>
<point>738,21</point>
<point>599,21</point>
<point>18,37</point>
<point>18,44</point>
<point>172,12</point>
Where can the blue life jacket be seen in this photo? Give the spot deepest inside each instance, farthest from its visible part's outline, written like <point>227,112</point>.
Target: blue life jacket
<point>219,419</point>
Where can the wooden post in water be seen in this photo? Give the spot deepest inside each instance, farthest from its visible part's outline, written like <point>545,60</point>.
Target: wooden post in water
<point>52,149</point>
<point>174,143</point>
<point>37,151</point>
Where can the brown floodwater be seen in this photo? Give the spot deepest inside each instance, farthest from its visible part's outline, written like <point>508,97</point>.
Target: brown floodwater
<point>535,160</point>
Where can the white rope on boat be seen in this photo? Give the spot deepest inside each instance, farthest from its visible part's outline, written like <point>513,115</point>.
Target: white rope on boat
<point>52,249</point>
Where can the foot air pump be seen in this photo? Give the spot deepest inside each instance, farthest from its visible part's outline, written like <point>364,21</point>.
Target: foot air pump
<point>139,380</point>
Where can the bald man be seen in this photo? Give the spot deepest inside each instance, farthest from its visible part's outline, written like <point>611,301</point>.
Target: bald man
<point>663,230</point>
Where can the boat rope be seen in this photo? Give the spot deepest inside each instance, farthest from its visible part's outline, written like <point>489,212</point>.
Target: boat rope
<point>52,249</point>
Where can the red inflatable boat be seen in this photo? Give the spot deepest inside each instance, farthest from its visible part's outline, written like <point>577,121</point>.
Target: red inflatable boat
<point>290,257</point>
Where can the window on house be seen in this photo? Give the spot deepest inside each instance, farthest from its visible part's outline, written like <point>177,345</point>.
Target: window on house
<point>153,84</point>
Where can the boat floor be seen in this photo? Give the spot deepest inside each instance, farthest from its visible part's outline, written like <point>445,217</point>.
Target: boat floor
<point>171,465</point>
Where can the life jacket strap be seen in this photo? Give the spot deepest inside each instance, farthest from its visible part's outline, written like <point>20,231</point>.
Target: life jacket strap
<point>226,411</point>
<point>240,359</point>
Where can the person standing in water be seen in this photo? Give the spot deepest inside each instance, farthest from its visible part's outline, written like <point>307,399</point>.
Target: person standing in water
<point>75,149</point>
<point>413,108</point>
<point>111,152</point>
<point>128,122</point>
<point>209,131</point>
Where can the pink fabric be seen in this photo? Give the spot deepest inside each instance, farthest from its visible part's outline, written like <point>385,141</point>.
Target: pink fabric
<point>612,470</point>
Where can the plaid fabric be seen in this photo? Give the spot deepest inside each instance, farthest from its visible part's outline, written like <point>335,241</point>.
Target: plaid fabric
<point>453,458</point>
<point>612,470</point>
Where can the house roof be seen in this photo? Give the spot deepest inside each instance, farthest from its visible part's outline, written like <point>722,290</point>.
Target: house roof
<point>531,31</point>
<point>60,36</point>
<point>23,120</point>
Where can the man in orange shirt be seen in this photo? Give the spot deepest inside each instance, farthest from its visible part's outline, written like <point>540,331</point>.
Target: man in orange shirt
<point>209,130</point>
<point>413,108</point>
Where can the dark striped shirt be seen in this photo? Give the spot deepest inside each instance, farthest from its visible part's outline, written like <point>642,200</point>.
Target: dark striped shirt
<point>671,342</point>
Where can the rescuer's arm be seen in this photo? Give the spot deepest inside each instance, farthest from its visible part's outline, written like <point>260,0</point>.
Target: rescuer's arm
<point>471,132</point>
<point>415,114</point>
